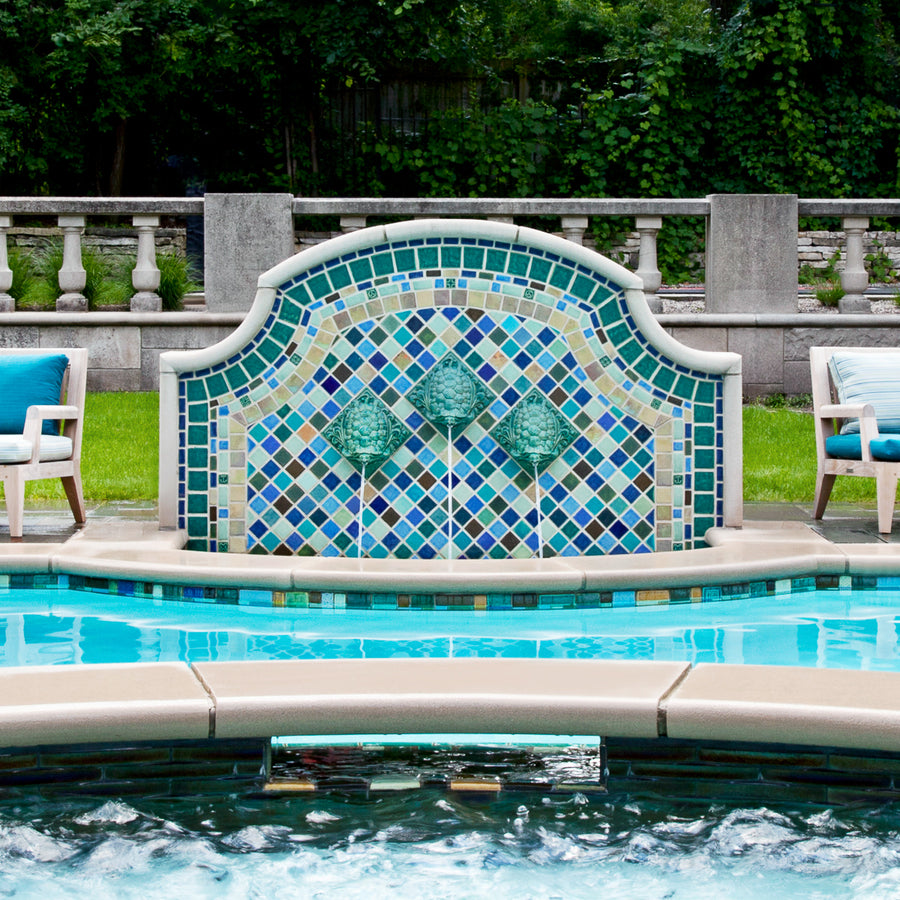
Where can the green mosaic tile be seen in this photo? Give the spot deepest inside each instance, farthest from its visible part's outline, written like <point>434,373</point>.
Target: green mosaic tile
<point>405,260</point>
<point>561,277</point>
<point>539,270</point>
<point>196,390</point>
<point>428,258</point>
<point>583,287</point>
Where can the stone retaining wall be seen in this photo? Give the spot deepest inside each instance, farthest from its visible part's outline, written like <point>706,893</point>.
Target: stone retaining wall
<point>125,347</point>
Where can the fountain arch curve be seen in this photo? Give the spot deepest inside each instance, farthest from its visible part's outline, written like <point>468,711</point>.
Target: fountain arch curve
<point>523,399</point>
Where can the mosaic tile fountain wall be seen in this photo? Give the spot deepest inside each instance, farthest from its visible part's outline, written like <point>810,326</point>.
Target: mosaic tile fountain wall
<point>476,391</point>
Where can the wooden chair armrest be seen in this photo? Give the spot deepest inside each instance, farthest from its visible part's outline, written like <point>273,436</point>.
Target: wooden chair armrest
<point>53,412</point>
<point>35,417</point>
<point>868,424</point>
<point>844,410</point>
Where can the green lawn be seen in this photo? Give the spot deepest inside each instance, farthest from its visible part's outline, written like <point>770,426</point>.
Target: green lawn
<point>780,460</point>
<point>119,458</point>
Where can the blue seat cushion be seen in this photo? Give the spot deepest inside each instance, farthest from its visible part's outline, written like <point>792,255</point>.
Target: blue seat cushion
<point>848,446</point>
<point>28,381</point>
<point>869,378</point>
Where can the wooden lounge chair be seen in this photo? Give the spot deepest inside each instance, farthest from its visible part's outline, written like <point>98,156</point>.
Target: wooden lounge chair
<point>39,389</point>
<point>856,400</point>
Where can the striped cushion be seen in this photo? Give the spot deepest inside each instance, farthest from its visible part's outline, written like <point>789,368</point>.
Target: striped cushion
<point>15,449</point>
<point>869,378</point>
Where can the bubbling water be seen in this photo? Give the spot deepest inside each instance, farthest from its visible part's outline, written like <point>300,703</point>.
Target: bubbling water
<point>438,845</point>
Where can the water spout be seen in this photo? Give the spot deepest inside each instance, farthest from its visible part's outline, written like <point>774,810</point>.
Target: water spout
<point>365,433</point>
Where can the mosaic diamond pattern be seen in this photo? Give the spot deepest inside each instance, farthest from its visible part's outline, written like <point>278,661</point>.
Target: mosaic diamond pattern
<point>257,473</point>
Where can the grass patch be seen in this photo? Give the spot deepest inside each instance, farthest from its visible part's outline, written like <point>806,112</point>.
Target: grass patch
<point>120,454</point>
<point>780,460</point>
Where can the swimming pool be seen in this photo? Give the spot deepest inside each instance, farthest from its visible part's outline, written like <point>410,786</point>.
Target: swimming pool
<point>825,629</point>
<point>536,844</point>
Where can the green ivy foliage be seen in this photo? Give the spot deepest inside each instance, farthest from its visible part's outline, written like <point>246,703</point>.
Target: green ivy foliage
<point>808,101</point>
<point>658,98</point>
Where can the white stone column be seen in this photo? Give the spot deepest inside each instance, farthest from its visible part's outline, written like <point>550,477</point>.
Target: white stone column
<point>648,267</point>
<point>854,278</point>
<point>352,223</point>
<point>145,277</point>
<point>7,304</point>
<point>574,227</point>
<point>72,277</point>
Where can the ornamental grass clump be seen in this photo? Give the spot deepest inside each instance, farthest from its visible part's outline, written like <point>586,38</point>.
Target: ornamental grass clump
<point>104,284</point>
<point>23,273</point>
<point>176,278</point>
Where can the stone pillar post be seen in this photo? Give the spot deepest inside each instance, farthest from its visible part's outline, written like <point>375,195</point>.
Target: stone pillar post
<point>7,304</point>
<point>574,228</point>
<point>145,277</point>
<point>72,277</point>
<point>854,278</point>
<point>648,268</point>
<point>244,235</point>
<point>751,253</point>
<point>503,220</point>
<point>352,223</point>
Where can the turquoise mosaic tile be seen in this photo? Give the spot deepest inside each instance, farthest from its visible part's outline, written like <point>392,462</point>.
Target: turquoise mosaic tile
<point>642,472</point>
<point>312,600</point>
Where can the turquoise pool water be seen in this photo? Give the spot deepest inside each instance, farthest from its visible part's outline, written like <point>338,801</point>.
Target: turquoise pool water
<point>858,630</point>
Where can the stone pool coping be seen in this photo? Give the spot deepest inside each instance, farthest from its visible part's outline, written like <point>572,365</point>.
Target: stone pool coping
<point>174,701</point>
<point>761,550</point>
<point>164,702</point>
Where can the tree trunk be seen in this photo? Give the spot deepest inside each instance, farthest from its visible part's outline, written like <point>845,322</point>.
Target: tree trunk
<point>117,165</point>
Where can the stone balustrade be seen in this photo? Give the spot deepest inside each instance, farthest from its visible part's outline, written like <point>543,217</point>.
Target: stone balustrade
<point>750,286</point>
<point>751,264</point>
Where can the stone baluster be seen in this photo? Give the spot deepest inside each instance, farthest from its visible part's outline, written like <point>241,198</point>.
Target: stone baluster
<point>648,268</point>
<point>854,278</point>
<point>352,223</point>
<point>7,304</point>
<point>72,277</point>
<point>503,220</point>
<point>574,227</point>
<point>145,277</point>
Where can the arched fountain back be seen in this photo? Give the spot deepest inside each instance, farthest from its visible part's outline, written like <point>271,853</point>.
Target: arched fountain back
<point>446,388</point>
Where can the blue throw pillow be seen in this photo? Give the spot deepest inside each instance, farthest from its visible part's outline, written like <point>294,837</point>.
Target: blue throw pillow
<point>28,381</point>
<point>869,378</point>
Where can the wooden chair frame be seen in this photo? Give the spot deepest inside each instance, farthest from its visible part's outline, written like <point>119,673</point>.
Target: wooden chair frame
<point>70,411</point>
<point>830,415</point>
